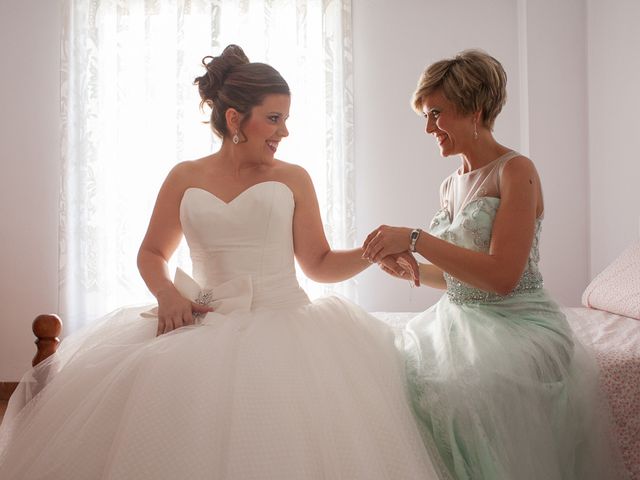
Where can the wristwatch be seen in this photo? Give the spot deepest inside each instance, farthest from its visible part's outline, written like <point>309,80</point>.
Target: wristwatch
<point>413,238</point>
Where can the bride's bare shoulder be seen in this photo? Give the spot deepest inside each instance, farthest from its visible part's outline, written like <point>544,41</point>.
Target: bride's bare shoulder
<point>189,171</point>
<point>287,169</point>
<point>295,177</point>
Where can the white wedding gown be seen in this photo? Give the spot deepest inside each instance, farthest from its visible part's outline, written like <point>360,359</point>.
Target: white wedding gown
<point>269,386</point>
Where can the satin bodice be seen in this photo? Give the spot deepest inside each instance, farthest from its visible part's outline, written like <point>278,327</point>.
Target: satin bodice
<point>469,207</point>
<point>248,237</point>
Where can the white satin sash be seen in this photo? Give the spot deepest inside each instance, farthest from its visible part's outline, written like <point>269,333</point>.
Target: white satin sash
<point>233,296</point>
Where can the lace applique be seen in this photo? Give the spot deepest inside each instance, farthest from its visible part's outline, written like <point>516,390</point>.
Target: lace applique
<point>534,256</point>
<point>481,232</point>
<point>442,215</point>
<point>449,236</point>
<point>472,228</point>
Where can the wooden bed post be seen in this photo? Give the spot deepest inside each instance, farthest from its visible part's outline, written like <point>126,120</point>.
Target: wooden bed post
<point>46,328</point>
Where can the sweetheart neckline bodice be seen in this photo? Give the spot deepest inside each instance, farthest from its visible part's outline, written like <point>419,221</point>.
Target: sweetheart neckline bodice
<point>241,194</point>
<point>251,236</point>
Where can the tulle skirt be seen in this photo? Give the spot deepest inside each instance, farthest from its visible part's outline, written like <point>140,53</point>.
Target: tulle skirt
<point>314,391</point>
<point>503,391</point>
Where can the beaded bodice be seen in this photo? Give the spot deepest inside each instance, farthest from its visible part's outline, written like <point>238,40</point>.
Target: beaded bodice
<point>468,223</point>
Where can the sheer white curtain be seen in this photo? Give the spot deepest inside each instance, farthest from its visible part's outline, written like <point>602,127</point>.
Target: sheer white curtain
<point>130,112</point>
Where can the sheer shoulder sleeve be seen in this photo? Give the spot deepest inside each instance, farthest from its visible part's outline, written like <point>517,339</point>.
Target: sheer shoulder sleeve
<point>446,192</point>
<point>500,167</point>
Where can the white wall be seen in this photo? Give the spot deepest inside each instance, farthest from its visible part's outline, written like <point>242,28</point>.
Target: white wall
<point>398,167</point>
<point>614,127</point>
<point>557,104</point>
<point>30,153</point>
<point>542,44</point>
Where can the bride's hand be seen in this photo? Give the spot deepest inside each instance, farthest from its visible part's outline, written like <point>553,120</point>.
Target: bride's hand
<point>402,265</point>
<point>175,311</point>
<point>384,241</point>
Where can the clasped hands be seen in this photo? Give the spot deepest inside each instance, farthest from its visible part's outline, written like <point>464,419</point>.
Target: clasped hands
<point>389,248</point>
<point>175,311</point>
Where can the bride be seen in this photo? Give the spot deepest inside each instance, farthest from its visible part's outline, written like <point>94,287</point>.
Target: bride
<point>235,374</point>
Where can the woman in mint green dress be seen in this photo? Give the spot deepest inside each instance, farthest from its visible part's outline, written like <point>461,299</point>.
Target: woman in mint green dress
<point>500,387</point>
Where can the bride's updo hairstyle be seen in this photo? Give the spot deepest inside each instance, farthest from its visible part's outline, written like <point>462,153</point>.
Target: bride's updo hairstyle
<point>472,80</point>
<point>231,81</point>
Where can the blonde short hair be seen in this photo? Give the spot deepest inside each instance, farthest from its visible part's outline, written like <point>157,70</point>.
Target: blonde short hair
<point>472,80</point>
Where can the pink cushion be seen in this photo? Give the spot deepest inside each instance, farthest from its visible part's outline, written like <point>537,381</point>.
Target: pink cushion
<point>617,288</point>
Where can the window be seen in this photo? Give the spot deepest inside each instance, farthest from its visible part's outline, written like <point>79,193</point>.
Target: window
<point>130,112</point>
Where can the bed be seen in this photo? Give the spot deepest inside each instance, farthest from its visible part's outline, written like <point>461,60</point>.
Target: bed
<point>615,339</point>
<point>609,322</point>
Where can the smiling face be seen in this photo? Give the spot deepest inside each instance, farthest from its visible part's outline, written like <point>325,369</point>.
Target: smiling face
<point>453,131</point>
<point>266,126</point>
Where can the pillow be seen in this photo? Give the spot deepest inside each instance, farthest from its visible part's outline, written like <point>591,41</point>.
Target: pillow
<point>617,288</point>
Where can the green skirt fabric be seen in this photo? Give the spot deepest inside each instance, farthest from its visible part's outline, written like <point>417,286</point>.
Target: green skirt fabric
<point>503,391</point>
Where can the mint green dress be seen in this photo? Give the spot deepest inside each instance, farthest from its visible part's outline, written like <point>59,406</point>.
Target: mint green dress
<point>500,386</point>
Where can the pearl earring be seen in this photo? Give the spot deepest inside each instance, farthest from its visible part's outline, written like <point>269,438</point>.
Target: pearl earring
<point>475,131</point>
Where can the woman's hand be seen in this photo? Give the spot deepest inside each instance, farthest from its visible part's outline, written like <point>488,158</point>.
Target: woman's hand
<point>384,241</point>
<point>175,311</point>
<point>402,265</point>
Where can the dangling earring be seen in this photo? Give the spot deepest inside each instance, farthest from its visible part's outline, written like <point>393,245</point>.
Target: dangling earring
<point>475,130</point>
<point>236,139</point>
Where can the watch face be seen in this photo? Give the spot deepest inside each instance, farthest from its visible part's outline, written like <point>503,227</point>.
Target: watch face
<point>414,239</point>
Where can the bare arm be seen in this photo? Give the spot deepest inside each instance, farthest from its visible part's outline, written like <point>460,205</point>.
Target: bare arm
<point>402,265</point>
<point>500,269</point>
<point>432,276</point>
<point>316,258</point>
<point>161,240</point>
